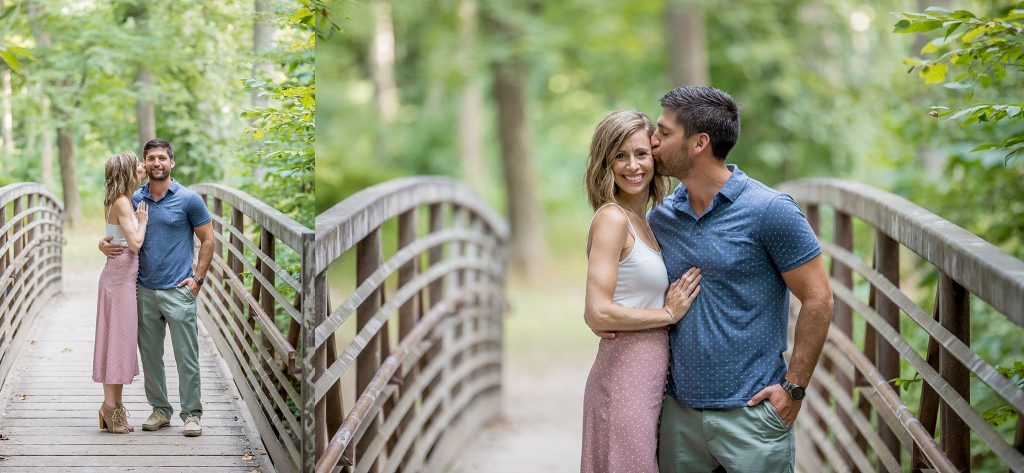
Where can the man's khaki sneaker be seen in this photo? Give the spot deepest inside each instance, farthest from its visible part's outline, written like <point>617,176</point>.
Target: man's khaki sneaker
<point>192,426</point>
<point>155,421</point>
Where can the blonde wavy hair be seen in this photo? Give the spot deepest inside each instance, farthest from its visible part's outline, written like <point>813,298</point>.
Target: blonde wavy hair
<point>609,135</point>
<point>120,177</point>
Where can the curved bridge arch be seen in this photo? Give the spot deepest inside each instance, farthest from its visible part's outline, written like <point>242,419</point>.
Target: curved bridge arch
<point>863,354</point>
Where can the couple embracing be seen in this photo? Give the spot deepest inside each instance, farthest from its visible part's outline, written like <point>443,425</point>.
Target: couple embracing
<point>691,298</point>
<point>148,285</point>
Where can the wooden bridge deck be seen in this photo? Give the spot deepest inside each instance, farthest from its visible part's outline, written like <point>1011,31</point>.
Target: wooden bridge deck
<point>48,419</point>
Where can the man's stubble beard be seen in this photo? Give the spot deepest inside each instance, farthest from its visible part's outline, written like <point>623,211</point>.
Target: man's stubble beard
<point>677,166</point>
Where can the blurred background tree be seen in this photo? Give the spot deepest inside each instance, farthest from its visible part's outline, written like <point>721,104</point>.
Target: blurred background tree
<point>103,77</point>
<point>506,94</point>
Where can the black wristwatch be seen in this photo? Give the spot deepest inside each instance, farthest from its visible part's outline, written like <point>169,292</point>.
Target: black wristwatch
<point>796,392</point>
<point>198,280</point>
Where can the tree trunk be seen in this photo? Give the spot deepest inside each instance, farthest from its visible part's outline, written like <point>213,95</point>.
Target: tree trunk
<point>144,105</point>
<point>72,205</point>
<point>527,225</point>
<point>46,155</point>
<point>471,102</point>
<point>382,53</point>
<point>687,49</point>
<point>262,41</point>
<point>8,115</point>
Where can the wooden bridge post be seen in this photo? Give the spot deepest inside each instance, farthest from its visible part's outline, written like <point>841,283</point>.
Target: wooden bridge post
<point>368,259</point>
<point>409,313</point>
<point>218,229</point>
<point>955,314</point>
<point>314,362</point>
<point>30,201</point>
<point>887,261</point>
<point>435,292</point>
<point>929,405</point>
<point>842,319</point>
<point>19,242</point>
<point>5,256</point>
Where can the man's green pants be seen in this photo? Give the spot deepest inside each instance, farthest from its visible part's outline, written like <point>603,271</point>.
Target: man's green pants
<point>740,440</point>
<point>173,308</point>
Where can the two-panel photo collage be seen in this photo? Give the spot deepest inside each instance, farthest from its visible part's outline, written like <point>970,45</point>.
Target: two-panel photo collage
<point>490,236</point>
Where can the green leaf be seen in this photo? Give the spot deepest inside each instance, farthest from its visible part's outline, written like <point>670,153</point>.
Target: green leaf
<point>10,59</point>
<point>934,74</point>
<point>300,14</point>
<point>985,146</point>
<point>971,35</point>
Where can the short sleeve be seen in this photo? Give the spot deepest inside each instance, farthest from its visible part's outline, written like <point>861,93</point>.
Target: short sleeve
<point>198,214</point>
<point>786,234</point>
<point>136,198</point>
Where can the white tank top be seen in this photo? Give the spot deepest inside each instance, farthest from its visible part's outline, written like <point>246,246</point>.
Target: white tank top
<point>642,279</point>
<point>114,230</point>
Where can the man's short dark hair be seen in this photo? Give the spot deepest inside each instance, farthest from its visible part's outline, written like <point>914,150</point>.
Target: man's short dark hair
<point>158,143</point>
<point>706,110</point>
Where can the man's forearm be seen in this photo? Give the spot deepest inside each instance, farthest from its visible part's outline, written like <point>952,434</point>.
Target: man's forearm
<point>811,330</point>
<point>205,256</point>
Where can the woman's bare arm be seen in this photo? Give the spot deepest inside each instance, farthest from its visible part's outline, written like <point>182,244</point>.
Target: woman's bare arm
<point>609,235</point>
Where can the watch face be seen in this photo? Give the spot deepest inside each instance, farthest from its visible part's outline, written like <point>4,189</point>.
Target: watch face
<point>797,393</point>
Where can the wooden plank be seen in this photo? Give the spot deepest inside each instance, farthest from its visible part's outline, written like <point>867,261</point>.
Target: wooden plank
<point>127,461</point>
<point>106,438</point>
<point>196,448</point>
<point>92,430</point>
<point>112,469</point>
<point>48,407</point>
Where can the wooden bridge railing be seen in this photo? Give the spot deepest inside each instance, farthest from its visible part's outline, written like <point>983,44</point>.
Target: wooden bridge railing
<point>31,233</point>
<point>418,390</point>
<point>865,346</point>
<point>252,305</point>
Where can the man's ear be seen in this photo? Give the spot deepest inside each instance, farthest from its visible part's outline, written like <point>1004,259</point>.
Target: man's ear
<point>702,142</point>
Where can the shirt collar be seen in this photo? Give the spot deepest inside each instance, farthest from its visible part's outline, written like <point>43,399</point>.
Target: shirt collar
<point>736,183</point>
<point>731,190</point>
<point>171,190</point>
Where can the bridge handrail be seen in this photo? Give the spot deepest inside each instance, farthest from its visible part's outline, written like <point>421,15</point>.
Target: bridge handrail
<point>981,267</point>
<point>285,228</point>
<point>406,380</point>
<point>240,305</point>
<point>30,261</point>
<point>966,265</point>
<point>339,228</point>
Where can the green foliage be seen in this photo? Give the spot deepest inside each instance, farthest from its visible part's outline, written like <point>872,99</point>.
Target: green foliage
<point>284,130</point>
<point>1003,412</point>
<point>11,55</point>
<point>982,53</point>
<point>906,383</point>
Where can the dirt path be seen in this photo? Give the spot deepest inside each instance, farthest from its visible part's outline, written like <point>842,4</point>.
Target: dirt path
<point>542,424</point>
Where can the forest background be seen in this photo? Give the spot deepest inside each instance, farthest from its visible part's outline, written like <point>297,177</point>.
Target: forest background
<point>504,95</point>
<point>229,84</point>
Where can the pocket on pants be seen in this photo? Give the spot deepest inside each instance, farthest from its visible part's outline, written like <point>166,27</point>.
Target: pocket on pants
<point>188,293</point>
<point>773,417</point>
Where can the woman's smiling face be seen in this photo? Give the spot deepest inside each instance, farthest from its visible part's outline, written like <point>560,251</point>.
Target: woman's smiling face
<point>633,165</point>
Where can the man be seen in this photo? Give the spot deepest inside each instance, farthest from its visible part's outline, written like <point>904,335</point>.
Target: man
<point>753,246</point>
<point>168,287</point>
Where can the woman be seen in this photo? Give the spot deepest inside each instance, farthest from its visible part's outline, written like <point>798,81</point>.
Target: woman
<point>626,294</point>
<point>114,361</point>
